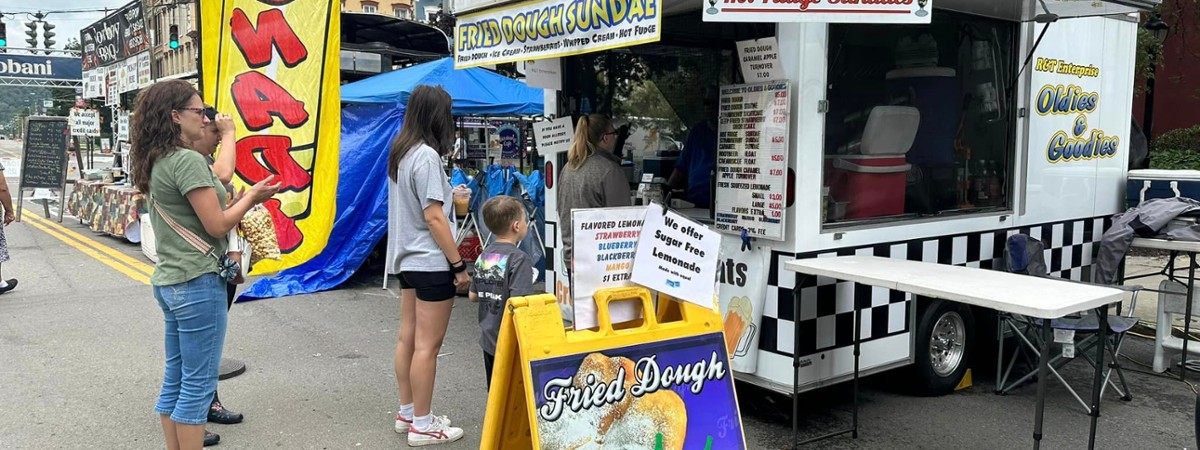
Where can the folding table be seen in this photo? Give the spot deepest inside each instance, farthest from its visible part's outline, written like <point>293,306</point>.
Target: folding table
<point>1043,298</point>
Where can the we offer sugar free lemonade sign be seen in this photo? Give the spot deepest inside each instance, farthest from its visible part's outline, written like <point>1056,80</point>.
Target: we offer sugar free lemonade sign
<point>678,257</point>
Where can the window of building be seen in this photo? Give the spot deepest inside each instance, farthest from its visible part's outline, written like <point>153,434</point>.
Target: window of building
<point>431,12</point>
<point>920,119</point>
<point>402,11</point>
<point>370,7</point>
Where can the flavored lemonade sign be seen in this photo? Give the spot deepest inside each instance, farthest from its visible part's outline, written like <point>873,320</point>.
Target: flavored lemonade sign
<point>1080,142</point>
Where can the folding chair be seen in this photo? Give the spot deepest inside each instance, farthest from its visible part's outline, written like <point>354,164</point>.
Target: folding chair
<point>532,191</point>
<point>1026,255</point>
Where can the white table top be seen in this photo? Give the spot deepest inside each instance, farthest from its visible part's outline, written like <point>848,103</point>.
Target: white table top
<point>1167,244</point>
<point>1045,298</point>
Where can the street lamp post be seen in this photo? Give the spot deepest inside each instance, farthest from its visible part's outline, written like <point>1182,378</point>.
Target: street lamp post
<point>1159,29</point>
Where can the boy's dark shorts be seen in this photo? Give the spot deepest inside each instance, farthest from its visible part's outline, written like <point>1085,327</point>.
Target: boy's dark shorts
<point>430,286</point>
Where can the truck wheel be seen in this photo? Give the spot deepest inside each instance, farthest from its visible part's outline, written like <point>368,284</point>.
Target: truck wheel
<point>945,337</point>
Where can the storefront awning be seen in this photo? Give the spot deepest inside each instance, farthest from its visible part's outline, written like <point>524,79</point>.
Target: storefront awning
<point>387,35</point>
<point>1027,10</point>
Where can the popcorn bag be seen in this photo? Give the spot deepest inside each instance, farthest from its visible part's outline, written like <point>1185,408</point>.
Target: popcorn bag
<point>259,231</point>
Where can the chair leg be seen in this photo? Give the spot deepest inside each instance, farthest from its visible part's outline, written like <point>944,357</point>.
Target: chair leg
<point>1126,395</point>
<point>1057,362</point>
<point>1086,408</point>
<point>1000,324</point>
<point>1031,348</point>
<point>1113,348</point>
<point>1002,386</point>
<point>1054,364</point>
<point>1085,349</point>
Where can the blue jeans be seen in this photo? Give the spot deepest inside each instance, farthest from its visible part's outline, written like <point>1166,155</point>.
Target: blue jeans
<point>195,315</point>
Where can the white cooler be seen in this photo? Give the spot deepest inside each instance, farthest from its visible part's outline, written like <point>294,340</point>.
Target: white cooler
<point>148,238</point>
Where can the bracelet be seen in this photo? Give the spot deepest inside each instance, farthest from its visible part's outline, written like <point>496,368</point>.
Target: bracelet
<point>458,269</point>
<point>460,261</point>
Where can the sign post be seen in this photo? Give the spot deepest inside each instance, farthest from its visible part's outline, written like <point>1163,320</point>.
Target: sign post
<point>44,159</point>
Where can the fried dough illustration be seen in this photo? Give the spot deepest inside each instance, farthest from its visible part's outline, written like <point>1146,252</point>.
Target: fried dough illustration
<point>631,423</point>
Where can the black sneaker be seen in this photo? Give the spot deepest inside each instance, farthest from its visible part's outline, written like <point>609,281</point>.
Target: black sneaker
<point>218,414</point>
<point>12,284</point>
<point>211,439</point>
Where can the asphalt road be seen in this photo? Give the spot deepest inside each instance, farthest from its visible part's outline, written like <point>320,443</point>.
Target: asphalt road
<point>81,349</point>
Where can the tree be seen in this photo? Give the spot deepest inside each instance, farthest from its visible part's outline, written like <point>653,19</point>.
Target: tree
<point>1178,14</point>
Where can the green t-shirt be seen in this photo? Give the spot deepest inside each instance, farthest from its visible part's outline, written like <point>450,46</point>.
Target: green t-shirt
<point>173,176</point>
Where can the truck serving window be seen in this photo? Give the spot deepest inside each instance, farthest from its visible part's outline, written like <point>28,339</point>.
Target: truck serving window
<point>666,94</point>
<point>920,120</point>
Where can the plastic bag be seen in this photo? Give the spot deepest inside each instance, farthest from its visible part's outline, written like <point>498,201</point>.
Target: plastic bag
<point>259,231</point>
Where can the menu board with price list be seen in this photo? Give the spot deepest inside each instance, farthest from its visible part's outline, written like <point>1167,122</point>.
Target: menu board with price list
<point>752,162</point>
<point>44,161</point>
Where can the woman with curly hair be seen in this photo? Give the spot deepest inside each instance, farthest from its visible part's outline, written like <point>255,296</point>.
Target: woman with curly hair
<point>182,191</point>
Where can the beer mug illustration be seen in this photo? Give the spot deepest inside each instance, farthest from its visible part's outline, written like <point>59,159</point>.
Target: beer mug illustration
<point>739,326</point>
<point>743,344</point>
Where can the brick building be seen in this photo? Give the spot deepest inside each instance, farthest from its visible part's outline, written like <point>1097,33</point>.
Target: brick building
<point>1177,79</point>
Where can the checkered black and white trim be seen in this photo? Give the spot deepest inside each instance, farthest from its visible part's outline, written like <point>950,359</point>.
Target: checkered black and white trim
<point>826,317</point>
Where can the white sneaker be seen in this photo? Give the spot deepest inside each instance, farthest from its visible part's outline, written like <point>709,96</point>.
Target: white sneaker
<point>403,425</point>
<point>439,432</point>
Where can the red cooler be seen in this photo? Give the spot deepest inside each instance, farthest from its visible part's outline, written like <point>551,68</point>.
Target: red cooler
<point>872,182</point>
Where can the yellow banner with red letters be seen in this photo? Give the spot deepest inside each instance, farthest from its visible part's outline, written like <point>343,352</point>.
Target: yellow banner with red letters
<point>274,66</point>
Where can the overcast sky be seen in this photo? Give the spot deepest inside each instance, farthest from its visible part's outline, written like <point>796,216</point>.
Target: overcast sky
<point>68,24</point>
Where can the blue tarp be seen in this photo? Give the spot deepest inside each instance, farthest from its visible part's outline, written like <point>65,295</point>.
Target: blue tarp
<point>368,125</point>
<point>361,219</point>
<point>475,91</point>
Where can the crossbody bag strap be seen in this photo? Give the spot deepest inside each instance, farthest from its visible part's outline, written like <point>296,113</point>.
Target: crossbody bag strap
<point>184,233</point>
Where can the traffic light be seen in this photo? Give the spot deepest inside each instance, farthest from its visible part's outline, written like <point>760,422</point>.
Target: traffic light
<point>31,32</point>
<point>173,40</point>
<point>3,35</point>
<point>47,34</point>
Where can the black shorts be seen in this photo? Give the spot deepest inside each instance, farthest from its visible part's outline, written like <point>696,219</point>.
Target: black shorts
<point>430,286</point>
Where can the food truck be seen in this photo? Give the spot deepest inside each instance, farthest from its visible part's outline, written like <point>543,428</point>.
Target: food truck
<point>926,130</point>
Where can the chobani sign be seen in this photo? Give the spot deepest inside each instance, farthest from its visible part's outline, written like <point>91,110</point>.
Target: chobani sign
<point>41,67</point>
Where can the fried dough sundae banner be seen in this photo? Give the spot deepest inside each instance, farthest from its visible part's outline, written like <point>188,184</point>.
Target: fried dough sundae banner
<point>552,28</point>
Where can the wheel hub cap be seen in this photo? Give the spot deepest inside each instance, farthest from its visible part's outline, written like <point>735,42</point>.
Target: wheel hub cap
<point>946,344</point>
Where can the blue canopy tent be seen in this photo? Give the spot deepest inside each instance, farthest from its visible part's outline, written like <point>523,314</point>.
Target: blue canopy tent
<point>372,112</point>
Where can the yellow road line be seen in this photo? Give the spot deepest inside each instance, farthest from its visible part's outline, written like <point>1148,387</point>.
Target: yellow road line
<point>113,253</point>
<point>135,275</point>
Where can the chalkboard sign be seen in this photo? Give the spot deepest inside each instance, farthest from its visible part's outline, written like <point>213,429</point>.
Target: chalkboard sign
<point>44,161</point>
